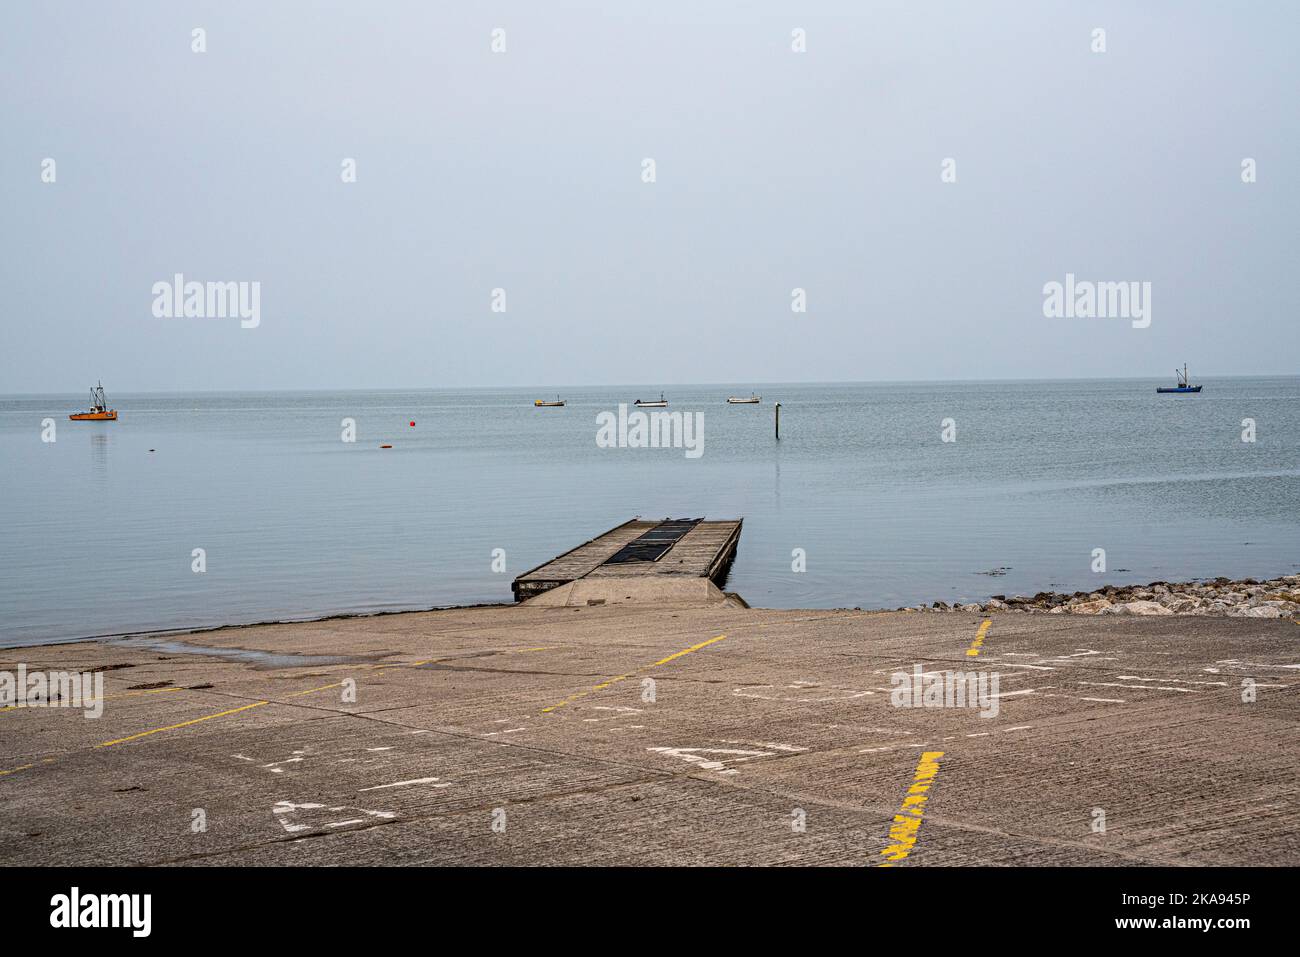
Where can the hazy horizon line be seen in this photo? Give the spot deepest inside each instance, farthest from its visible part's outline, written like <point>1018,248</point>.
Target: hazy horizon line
<point>664,385</point>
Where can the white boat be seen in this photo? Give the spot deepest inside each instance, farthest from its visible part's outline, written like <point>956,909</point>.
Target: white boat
<point>652,404</point>
<point>737,400</point>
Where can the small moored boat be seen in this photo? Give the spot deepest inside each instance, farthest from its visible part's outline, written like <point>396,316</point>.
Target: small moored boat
<point>1183,386</point>
<point>652,404</point>
<point>99,410</point>
<point>737,400</point>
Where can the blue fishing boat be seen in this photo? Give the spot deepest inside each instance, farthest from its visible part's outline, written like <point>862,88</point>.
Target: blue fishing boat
<point>1183,384</point>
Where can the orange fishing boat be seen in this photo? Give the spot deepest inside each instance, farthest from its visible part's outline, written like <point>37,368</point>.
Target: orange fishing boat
<point>99,410</point>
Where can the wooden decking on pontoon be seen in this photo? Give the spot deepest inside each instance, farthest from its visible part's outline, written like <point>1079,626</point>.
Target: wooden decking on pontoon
<point>705,551</point>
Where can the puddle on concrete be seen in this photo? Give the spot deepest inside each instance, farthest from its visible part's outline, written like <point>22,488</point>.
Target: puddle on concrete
<point>261,659</point>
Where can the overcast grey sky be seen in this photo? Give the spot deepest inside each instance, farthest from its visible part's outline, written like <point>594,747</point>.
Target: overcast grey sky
<point>523,170</point>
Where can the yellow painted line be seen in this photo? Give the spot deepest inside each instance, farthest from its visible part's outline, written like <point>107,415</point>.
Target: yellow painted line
<point>693,648</point>
<point>337,684</point>
<point>24,767</point>
<point>906,823</point>
<point>978,643</point>
<point>631,674</point>
<point>145,734</point>
<point>183,724</point>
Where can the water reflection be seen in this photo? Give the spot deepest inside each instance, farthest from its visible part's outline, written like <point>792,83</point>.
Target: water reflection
<point>99,453</point>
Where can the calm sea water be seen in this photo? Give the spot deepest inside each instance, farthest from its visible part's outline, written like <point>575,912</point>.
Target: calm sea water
<point>98,530</point>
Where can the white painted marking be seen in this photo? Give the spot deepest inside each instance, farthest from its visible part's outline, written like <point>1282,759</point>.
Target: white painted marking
<point>283,808</point>
<point>1115,684</point>
<point>402,784</point>
<point>767,744</point>
<point>841,694</point>
<point>275,765</point>
<point>1252,664</point>
<point>697,756</point>
<point>1185,681</point>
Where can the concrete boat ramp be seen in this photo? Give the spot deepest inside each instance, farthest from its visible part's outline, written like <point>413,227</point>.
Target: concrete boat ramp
<point>694,731</point>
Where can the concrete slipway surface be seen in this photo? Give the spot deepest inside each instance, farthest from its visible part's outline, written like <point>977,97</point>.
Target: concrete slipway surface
<point>536,717</point>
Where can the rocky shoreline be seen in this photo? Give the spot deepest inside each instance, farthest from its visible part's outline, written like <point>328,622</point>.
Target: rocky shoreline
<point>1218,597</point>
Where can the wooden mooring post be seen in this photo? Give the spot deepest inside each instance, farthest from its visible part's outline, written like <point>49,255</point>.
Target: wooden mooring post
<point>778,421</point>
